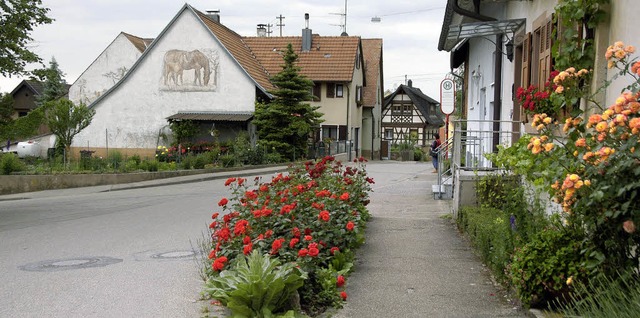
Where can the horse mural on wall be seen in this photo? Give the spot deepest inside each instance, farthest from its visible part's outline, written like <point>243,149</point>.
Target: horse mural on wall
<point>176,62</point>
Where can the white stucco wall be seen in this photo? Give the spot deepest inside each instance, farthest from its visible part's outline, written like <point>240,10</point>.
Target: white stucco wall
<point>132,114</point>
<point>621,28</point>
<point>105,71</point>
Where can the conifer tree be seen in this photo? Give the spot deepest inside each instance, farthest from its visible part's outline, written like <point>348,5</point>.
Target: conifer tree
<point>285,123</point>
<point>54,85</point>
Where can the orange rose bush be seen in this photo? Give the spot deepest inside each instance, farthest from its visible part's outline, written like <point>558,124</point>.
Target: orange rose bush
<point>592,170</point>
<point>313,217</point>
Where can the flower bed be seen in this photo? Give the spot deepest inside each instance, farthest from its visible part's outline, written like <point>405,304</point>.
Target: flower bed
<point>313,218</point>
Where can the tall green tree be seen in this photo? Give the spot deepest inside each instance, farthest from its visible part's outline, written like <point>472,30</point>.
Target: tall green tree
<point>286,122</point>
<point>54,86</point>
<point>17,19</point>
<point>66,120</point>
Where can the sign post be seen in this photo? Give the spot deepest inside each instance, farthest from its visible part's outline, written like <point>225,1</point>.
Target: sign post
<point>447,101</point>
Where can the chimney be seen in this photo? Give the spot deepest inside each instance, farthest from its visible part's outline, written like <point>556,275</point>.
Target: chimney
<point>214,15</point>
<point>306,35</point>
<point>262,30</point>
<point>410,83</point>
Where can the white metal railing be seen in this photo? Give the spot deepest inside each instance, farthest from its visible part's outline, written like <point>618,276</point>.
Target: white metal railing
<point>472,140</point>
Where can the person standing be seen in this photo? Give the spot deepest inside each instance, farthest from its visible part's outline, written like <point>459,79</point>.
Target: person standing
<point>434,151</point>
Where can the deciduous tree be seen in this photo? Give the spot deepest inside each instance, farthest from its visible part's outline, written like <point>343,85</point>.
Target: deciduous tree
<point>18,18</point>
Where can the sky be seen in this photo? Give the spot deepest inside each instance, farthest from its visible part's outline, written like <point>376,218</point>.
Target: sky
<point>410,30</point>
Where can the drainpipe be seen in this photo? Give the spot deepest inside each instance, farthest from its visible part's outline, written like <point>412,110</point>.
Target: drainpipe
<point>346,86</point>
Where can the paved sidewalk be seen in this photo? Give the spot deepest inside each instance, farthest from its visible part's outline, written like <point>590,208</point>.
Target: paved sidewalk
<point>414,263</point>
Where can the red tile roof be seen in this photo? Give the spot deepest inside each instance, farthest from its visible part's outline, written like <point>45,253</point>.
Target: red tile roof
<point>331,58</point>
<point>140,43</point>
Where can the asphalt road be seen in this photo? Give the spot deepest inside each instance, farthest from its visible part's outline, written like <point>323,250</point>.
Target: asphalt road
<point>74,253</point>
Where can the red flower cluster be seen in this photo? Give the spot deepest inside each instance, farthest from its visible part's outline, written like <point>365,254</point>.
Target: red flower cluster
<point>297,217</point>
<point>218,264</point>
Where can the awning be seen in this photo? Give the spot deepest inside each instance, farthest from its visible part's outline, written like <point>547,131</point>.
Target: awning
<point>484,28</point>
<point>211,116</point>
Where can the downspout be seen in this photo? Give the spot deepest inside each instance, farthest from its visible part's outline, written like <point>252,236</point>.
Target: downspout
<point>497,83</point>
<point>348,122</point>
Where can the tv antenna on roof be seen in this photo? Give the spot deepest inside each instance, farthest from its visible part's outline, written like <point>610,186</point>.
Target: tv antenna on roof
<point>343,26</point>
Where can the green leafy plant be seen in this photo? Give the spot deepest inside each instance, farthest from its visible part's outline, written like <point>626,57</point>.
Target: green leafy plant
<point>542,269</point>
<point>256,286</point>
<point>491,234</point>
<point>10,163</point>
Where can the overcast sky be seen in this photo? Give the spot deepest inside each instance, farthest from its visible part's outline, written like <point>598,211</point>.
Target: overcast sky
<point>410,30</point>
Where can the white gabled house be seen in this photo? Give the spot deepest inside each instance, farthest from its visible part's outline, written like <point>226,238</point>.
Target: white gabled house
<point>108,68</point>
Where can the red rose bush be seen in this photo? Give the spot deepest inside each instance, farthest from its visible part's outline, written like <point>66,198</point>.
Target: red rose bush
<point>314,217</point>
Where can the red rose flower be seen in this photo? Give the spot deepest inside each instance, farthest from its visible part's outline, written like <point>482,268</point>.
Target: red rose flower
<point>313,252</point>
<point>264,188</point>
<point>213,224</point>
<point>277,244</point>
<point>215,215</point>
<point>212,254</point>
<point>268,233</point>
<point>307,231</point>
<point>343,295</point>
<point>344,196</point>
<point>229,181</point>
<point>218,264</point>
<point>303,252</point>
<point>308,238</point>
<point>324,215</point>
<point>241,181</point>
<point>340,281</point>
<point>293,242</point>
<point>251,195</point>
<point>334,249</point>
<point>223,202</point>
<point>246,250</point>
<point>296,232</point>
<point>350,226</point>
<point>223,234</point>
<point>246,240</point>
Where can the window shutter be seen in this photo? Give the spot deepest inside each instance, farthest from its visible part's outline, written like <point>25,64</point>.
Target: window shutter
<point>525,79</point>
<point>331,88</point>
<point>525,75</point>
<point>544,65</point>
<point>317,91</point>
<point>342,132</point>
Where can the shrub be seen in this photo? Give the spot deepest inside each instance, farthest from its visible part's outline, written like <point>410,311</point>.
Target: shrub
<point>542,269</point>
<point>257,285</point>
<point>187,162</point>
<point>149,165</point>
<point>418,154</point>
<point>199,162</point>
<point>228,160</point>
<point>9,163</point>
<point>491,234</point>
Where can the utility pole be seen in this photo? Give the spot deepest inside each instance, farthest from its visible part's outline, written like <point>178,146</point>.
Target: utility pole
<point>280,24</point>
<point>269,31</point>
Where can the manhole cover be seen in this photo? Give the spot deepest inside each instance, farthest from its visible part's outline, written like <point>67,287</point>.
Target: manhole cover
<point>69,264</point>
<point>174,255</point>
